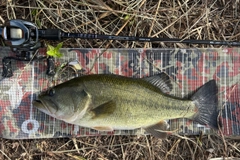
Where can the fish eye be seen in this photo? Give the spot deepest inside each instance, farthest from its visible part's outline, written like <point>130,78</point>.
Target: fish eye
<point>51,92</point>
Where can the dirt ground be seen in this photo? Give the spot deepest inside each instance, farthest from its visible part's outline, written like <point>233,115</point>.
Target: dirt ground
<point>195,19</point>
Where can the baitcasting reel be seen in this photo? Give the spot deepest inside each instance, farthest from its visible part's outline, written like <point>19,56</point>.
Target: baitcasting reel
<point>20,35</point>
<point>23,39</point>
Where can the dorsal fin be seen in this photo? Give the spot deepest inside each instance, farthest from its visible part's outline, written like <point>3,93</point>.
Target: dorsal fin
<point>162,81</point>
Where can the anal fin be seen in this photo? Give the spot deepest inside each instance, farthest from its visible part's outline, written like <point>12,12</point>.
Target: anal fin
<point>159,130</point>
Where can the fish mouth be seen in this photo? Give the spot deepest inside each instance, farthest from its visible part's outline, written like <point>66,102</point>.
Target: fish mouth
<point>38,104</point>
<point>44,107</point>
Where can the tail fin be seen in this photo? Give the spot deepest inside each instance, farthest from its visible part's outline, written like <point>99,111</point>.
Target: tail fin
<point>206,102</point>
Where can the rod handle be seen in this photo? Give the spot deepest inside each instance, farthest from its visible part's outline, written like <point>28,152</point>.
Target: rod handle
<point>50,34</point>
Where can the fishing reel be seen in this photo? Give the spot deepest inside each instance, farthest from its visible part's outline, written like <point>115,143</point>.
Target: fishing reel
<point>23,39</point>
<point>21,35</point>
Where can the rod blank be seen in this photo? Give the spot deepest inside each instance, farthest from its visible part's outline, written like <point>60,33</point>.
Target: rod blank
<point>55,34</point>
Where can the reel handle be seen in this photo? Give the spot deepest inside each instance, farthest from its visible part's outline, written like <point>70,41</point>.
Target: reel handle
<point>7,67</point>
<point>50,66</point>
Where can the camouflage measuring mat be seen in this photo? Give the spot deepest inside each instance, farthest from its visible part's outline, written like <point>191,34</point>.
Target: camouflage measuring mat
<point>188,68</point>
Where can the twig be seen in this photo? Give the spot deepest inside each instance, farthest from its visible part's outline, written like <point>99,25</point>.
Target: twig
<point>5,155</point>
<point>153,22</point>
<point>75,144</point>
<point>172,148</point>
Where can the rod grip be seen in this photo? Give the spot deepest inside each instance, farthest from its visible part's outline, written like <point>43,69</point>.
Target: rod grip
<point>50,34</point>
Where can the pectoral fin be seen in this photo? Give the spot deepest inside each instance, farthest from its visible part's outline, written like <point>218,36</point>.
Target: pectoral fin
<point>104,110</point>
<point>159,130</point>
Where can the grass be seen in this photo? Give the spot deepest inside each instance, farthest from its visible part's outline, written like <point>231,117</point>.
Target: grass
<point>195,19</point>
<point>120,147</point>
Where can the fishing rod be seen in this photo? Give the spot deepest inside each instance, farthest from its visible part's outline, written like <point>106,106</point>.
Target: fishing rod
<point>23,38</point>
<point>22,33</point>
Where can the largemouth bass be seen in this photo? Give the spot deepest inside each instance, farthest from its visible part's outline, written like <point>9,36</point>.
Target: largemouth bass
<point>111,102</point>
